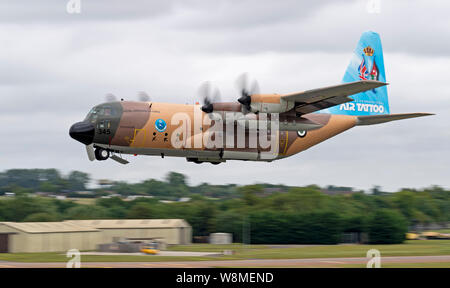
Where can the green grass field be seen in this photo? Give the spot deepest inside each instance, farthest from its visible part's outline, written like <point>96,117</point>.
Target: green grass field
<point>442,231</point>
<point>409,248</point>
<point>383,265</point>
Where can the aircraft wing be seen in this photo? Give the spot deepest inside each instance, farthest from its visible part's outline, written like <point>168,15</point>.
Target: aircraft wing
<point>322,98</point>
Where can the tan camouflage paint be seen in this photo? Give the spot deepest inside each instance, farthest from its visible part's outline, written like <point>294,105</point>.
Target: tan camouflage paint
<point>137,129</point>
<point>336,125</point>
<point>266,98</point>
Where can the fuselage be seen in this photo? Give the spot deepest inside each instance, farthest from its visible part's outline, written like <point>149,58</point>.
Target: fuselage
<point>165,129</point>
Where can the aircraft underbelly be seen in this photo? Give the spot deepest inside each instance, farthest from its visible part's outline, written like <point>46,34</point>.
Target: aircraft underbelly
<point>159,151</point>
<point>288,143</point>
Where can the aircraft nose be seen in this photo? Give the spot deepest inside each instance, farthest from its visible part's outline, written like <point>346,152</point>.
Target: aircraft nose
<point>83,132</point>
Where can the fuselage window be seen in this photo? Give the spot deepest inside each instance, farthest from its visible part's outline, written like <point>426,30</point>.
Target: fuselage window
<point>104,124</point>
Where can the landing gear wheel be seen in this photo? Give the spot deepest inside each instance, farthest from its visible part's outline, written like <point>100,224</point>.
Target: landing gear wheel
<point>101,154</point>
<point>215,163</point>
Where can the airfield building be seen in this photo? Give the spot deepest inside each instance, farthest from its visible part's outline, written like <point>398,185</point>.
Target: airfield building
<point>18,237</point>
<point>46,237</point>
<point>171,231</point>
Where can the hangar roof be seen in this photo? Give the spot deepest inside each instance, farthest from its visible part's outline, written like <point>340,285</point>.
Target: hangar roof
<point>132,223</point>
<point>48,227</point>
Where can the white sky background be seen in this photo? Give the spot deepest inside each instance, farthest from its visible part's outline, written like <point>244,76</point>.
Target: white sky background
<point>55,66</point>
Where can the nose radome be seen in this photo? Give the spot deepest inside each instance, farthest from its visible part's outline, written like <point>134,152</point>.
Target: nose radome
<point>82,132</point>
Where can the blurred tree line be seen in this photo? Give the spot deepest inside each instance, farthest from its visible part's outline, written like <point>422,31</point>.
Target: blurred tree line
<point>22,181</point>
<point>300,215</point>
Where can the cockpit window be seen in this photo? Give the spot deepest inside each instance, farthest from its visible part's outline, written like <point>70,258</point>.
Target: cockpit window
<point>92,115</point>
<point>108,111</point>
<point>101,111</point>
<point>105,111</point>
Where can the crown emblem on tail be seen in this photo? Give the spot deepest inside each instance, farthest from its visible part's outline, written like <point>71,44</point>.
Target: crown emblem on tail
<point>368,51</point>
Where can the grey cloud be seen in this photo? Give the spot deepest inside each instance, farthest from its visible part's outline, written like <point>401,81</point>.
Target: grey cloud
<point>415,27</point>
<point>250,26</point>
<point>54,11</point>
<point>215,14</point>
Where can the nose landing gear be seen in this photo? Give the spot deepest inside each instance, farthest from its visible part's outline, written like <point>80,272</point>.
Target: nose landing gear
<point>101,154</point>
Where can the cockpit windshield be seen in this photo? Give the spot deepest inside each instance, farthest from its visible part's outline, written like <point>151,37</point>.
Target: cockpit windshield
<point>101,111</point>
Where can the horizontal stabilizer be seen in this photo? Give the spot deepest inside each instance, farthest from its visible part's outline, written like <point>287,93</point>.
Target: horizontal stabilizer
<point>378,119</point>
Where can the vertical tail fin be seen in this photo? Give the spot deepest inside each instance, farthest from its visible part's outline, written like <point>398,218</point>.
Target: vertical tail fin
<point>366,64</point>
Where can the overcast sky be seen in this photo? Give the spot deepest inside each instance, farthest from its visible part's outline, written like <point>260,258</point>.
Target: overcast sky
<point>54,66</point>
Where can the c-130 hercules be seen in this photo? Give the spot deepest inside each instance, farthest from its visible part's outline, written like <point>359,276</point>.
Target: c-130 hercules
<point>258,127</point>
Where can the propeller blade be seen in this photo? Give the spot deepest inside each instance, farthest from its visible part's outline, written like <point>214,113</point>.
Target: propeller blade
<point>204,92</point>
<point>90,152</point>
<point>143,96</point>
<point>241,83</point>
<point>110,97</point>
<point>245,99</point>
<point>255,88</point>
<point>216,96</point>
<point>208,97</point>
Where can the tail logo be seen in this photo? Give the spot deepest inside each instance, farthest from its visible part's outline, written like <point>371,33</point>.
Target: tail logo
<point>362,70</point>
<point>374,73</point>
<point>368,51</point>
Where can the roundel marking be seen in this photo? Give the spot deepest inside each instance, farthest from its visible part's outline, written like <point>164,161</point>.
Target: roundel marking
<point>301,133</point>
<point>160,125</point>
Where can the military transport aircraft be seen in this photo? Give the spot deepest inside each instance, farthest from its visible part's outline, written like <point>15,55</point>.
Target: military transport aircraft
<point>257,127</point>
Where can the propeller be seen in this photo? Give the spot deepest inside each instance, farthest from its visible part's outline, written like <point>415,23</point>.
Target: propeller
<point>209,97</point>
<point>110,97</point>
<point>246,93</point>
<point>143,96</point>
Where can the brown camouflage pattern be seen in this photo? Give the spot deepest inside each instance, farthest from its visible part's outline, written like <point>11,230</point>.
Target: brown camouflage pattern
<point>136,132</point>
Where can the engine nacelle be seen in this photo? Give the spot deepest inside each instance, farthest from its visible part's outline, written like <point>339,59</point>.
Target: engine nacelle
<point>270,103</point>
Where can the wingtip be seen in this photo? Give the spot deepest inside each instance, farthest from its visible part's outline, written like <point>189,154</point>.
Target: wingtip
<point>419,114</point>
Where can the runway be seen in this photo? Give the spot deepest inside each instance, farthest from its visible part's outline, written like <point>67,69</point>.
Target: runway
<point>316,262</point>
